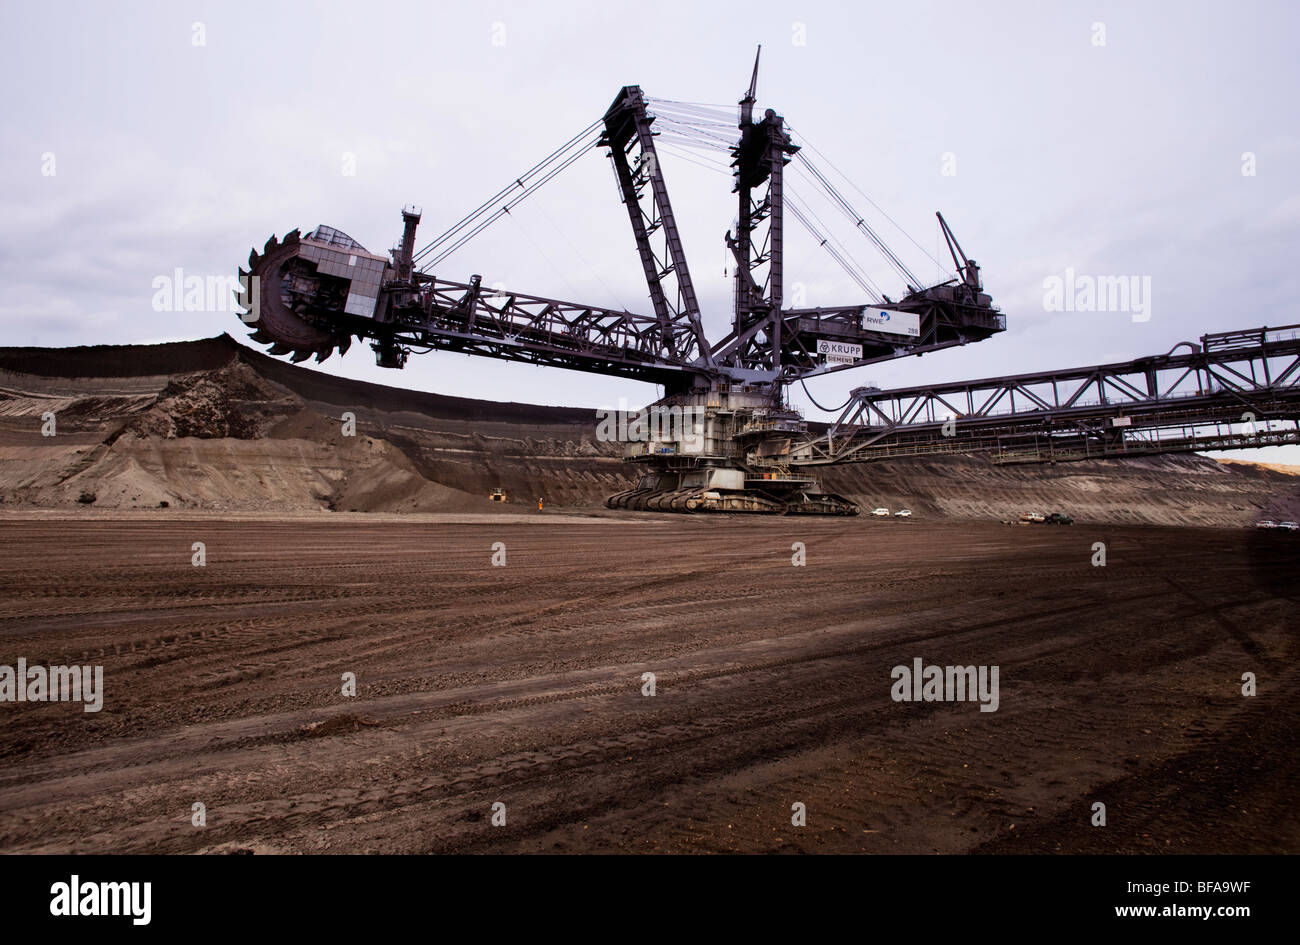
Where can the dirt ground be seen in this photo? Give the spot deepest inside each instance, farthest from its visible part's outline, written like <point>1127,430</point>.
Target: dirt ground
<point>523,684</point>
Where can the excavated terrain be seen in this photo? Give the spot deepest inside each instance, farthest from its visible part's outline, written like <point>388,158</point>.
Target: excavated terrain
<point>212,425</point>
<point>500,654</point>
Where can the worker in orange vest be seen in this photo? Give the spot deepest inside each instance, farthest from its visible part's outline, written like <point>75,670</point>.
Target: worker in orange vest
<point>539,504</point>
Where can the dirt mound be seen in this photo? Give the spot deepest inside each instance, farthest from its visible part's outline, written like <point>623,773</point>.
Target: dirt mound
<point>180,357</point>
<point>1276,467</point>
<point>213,425</point>
<point>231,401</point>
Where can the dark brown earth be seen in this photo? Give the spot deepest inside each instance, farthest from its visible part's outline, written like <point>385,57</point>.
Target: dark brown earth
<point>522,685</point>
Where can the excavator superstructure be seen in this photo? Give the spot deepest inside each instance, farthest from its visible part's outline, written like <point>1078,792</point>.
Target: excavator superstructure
<point>732,439</point>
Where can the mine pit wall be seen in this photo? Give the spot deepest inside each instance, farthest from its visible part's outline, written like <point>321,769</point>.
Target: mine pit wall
<point>246,432</point>
<point>1176,489</point>
<point>562,464</point>
<point>213,425</point>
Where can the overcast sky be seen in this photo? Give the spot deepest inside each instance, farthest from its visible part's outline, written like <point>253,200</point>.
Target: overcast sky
<point>1110,139</point>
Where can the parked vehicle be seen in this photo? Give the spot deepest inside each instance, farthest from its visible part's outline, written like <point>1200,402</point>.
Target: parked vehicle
<point>1289,526</point>
<point>903,513</point>
<point>1032,518</point>
<point>880,513</point>
<point>1059,518</point>
<point>1265,523</point>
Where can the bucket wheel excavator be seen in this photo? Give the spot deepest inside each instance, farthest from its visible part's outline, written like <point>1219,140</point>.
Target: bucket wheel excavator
<point>723,438</point>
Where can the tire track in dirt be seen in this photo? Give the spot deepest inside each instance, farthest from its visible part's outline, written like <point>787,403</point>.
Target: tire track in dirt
<point>523,683</point>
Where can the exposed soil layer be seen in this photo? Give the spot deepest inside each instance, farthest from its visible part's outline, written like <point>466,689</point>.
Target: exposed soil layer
<point>213,425</point>
<point>523,684</point>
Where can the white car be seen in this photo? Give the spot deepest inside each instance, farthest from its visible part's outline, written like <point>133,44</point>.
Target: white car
<point>1266,524</point>
<point>1289,526</point>
<point>880,513</point>
<point>903,513</point>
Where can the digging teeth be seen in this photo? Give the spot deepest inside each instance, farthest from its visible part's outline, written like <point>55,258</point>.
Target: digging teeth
<point>240,293</point>
<point>285,325</point>
<point>344,343</point>
<point>323,353</point>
